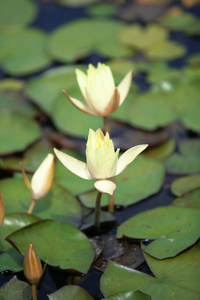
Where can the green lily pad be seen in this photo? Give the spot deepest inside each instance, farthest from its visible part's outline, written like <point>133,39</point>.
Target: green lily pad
<point>10,259</point>
<point>128,296</point>
<point>76,3</point>
<point>66,118</point>
<point>59,245</point>
<point>173,229</point>
<point>190,148</point>
<point>16,289</point>
<point>23,51</point>
<point>25,131</point>
<point>70,292</point>
<point>45,89</point>
<point>152,40</point>
<point>12,98</point>
<point>162,151</point>
<point>59,204</point>
<point>194,60</point>
<point>175,278</point>
<point>180,165</point>
<point>143,171</point>
<point>190,199</point>
<point>16,13</point>
<point>103,10</point>
<point>185,184</point>
<point>182,21</point>
<point>94,35</point>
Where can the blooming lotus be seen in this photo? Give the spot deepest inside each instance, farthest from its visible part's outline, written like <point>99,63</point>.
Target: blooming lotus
<point>99,91</point>
<point>42,179</point>
<point>102,161</point>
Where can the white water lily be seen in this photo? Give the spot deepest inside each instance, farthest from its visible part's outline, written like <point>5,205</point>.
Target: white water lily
<point>99,91</point>
<point>42,179</point>
<point>102,161</point>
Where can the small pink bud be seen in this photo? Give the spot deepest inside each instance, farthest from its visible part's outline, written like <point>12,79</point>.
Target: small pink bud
<point>2,210</point>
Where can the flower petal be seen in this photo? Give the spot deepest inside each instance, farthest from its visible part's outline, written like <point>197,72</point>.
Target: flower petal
<point>82,81</point>
<point>113,104</point>
<point>124,86</point>
<point>76,166</point>
<point>105,186</point>
<point>42,179</point>
<point>80,105</point>
<point>128,156</point>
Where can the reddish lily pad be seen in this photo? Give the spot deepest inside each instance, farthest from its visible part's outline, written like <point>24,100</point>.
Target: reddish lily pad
<point>16,289</point>
<point>173,229</point>
<point>70,292</point>
<point>176,278</point>
<point>59,245</point>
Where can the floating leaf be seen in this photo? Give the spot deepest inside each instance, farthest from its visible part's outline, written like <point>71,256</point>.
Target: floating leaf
<point>76,3</point>
<point>59,245</point>
<point>128,296</point>
<point>153,40</point>
<point>162,151</point>
<point>16,289</point>
<point>23,51</point>
<point>70,292</point>
<point>16,13</point>
<point>179,20</point>
<point>143,171</point>
<point>10,259</point>
<point>190,148</point>
<point>173,229</point>
<point>94,35</point>
<point>59,204</point>
<point>175,278</point>
<point>19,126</point>
<point>185,184</point>
<point>180,165</point>
<point>103,10</point>
<point>190,199</point>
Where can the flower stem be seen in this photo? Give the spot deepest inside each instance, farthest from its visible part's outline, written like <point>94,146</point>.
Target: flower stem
<point>97,211</point>
<point>105,120</point>
<point>111,206</point>
<point>31,206</point>
<point>34,292</point>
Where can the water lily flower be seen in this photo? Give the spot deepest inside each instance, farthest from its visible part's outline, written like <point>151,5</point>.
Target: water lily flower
<point>99,91</point>
<point>32,265</point>
<point>102,161</point>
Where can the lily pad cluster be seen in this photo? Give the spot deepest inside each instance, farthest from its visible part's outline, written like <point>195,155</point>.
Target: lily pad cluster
<point>161,109</point>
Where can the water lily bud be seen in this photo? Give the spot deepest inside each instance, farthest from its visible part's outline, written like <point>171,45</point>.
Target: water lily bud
<point>42,179</point>
<point>2,210</point>
<point>32,265</point>
<point>99,91</point>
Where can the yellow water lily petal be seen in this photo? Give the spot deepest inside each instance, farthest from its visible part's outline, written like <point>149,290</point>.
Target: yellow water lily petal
<point>76,166</point>
<point>124,87</point>
<point>80,105</point>
<point>42,179</point>
<point>82,81</point>
<point>105,186</point>
<point>127,157</point>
